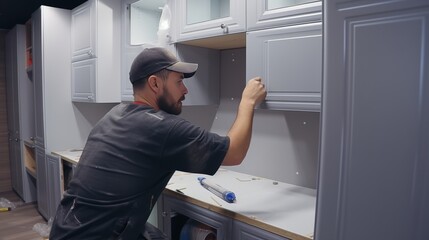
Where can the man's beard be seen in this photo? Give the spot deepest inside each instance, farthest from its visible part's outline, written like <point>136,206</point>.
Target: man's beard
<point>169,107</point>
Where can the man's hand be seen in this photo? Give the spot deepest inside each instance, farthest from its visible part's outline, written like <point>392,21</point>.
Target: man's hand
<point>254,92</point>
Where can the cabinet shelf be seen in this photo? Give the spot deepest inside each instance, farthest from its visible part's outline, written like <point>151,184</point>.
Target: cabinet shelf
<point>30,160</point>
<point>230,41</point>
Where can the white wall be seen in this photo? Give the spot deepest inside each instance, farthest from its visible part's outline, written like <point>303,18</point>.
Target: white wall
<point>67,125</point>
<point>284,144</point>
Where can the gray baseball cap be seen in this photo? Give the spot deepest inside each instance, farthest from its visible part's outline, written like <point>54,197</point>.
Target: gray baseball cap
<point>152,60</point>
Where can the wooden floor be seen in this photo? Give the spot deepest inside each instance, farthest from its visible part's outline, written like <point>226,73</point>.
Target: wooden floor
<point>18,223</point>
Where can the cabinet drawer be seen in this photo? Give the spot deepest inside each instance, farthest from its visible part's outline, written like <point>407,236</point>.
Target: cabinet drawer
<point>289,60</point>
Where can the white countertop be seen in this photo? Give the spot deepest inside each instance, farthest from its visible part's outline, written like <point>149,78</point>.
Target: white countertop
<point>290,209</point>
<point>72,155</point>
<point>282,208</point>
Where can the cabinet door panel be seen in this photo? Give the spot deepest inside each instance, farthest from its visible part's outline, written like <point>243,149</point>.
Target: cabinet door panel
<point>42,183</point>
<point>274,13</point>
<point>83,31</point>
<point>374,130</point>
<point>289,60</point>
<point>54,181</point>
<point>83,80</point>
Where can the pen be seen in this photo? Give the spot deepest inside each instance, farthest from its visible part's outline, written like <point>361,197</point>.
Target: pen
<point>217,190</point>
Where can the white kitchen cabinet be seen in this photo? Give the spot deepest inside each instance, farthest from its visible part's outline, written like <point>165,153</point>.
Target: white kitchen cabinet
<point>53,176</point>
<point>95,43</point>
<point>83,41</point>
<point>200,19</point>
<point>51,77</point>
<point>263,14</point>
<point>20,118</point>
<point>42,183</point>
<point>83,75</point>
<point>373,180</point>
<point>289,60</point>
<point>243,231</point>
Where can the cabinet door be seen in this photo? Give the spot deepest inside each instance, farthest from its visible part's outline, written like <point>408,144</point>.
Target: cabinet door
<point>83,31</point>
<point>13,118</point>
<point>42,183</point>
<point>373,180</point>
<point>289,60</point>
<point>178,213</point>
<point>39,128</point>
<point>54,183</point>
<point>83,80</point>
<point>199,19</point>
<point>243,231</point>
<point>274,13</point>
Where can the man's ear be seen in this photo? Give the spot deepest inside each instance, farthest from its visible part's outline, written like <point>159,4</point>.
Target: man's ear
<point>153,83</point>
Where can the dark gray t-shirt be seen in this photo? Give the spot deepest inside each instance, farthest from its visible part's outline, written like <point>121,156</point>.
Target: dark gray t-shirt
<point>128,159</point>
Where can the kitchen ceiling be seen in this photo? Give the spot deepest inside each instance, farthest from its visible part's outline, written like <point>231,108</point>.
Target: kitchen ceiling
<point>14,12</point>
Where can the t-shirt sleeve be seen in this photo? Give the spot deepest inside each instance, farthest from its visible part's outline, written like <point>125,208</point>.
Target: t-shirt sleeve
<point>192,149</point>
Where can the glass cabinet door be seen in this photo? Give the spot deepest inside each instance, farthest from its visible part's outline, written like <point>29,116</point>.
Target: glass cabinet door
<point>198,11</point>
<point>144,21</point>
<point>280,13</point>
<point>207,18</point>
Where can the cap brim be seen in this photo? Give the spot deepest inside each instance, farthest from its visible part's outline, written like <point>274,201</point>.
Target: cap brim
<point>188,69</point>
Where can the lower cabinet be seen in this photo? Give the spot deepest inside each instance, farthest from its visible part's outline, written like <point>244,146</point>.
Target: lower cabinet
<point>180,219</point>
<point>243,231</point>
<point>54,183</point>
<point>42,183</point>
<point>48,183</point>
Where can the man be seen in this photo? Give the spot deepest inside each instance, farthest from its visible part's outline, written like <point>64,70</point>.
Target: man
<point>133,151</point>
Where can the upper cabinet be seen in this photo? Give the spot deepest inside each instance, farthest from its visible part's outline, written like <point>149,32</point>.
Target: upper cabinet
<point>289,60</point>
<point>275,13</point>
<point>95,45</point>
<point>284,47</point>
<point>207,18</point>
<point>83,31</point>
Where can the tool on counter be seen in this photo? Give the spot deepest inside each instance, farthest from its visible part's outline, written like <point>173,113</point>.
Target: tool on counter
<point>217,190</point>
